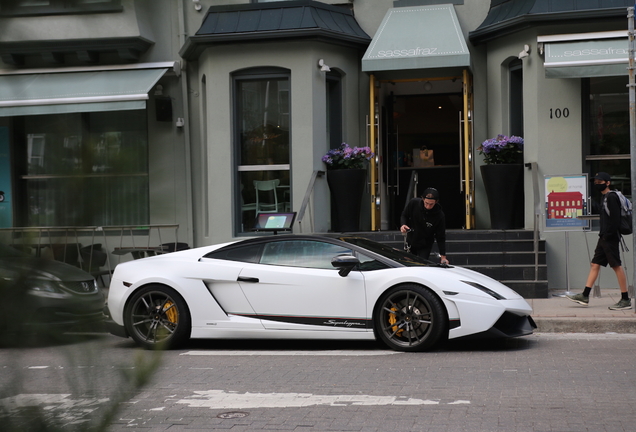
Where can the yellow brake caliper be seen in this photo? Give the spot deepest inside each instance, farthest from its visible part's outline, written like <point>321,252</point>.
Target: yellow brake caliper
<point>393,320</point>
<point>171,312</point>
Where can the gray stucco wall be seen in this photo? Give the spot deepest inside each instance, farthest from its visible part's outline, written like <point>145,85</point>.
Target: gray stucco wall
<point>555,144</point>
<point>308,121</point>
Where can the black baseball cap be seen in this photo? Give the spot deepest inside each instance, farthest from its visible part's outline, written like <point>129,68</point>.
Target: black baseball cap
<point>602,176</point>
<point>431,193</point>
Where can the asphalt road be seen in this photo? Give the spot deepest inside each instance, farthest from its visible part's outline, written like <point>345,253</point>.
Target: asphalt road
<point>544,382</point>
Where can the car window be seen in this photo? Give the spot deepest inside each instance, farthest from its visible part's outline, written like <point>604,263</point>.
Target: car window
<point>367,263</point>
<point>248,254</point>
<point>399,256</point>
<point>302,253</point>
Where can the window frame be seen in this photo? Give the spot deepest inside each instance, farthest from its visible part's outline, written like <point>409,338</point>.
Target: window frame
<point>594,162</point>
<point>24,178</point>
<point>253,74</point>
<point>10,8</point>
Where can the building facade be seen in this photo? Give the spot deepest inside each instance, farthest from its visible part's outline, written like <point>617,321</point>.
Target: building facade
<point>200,113</point>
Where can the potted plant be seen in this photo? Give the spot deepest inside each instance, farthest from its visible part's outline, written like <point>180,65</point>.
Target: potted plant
<point>503,180</point>
<point>346,177</point>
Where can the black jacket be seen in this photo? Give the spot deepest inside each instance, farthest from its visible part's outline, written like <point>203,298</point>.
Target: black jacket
<point>610,223</point>
<point>427,225</point>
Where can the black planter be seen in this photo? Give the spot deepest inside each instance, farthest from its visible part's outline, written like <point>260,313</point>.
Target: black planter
<point>504,188</point>
<point>346,187</point>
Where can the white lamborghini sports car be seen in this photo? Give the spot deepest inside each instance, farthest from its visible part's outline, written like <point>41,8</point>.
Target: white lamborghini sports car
<point>308,287</point>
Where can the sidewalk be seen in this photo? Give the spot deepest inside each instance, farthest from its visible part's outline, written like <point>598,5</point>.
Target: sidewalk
<point>558,314</point>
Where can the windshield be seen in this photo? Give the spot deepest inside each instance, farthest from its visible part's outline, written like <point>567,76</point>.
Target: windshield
<point>9,252</point>
<point>400,256</point>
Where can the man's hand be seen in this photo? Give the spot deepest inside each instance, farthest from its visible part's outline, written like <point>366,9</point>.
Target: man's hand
<point>443,259</point>
<point>404,229</point>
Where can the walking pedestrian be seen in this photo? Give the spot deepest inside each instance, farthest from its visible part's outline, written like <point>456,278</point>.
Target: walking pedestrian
<point>606,251</point>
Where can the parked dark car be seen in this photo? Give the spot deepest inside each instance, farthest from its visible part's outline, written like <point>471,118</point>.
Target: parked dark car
<point>46,296</point>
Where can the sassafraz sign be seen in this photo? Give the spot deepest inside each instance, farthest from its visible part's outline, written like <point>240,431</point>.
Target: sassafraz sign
<point>414,52</point>
<point>565,201</point>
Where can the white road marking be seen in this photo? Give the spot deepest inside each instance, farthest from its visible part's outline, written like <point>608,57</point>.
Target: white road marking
<point>69,410</point>
<point>220,399</point>
<point>289,353</point>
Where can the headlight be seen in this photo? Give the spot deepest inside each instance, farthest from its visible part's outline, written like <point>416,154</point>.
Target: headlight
<point>486,290</point>
<point>45,288</point>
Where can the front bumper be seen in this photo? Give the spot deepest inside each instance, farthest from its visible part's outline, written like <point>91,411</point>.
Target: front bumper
<point>112,327</point>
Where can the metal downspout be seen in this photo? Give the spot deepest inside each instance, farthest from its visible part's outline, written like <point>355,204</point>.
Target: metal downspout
<point>186,126</point>
<point>632,124</point>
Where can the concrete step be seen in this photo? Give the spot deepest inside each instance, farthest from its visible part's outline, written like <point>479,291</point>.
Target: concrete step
<point>504,255</point>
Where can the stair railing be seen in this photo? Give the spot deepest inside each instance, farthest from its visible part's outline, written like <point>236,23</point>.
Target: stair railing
<point>412,190</point>
<point>303,207</point>
<point>537,215</point>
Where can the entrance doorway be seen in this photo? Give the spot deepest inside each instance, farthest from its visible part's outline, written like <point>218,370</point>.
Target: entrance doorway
<point>422,141</point>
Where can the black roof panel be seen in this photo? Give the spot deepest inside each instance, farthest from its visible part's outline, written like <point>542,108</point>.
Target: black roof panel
<point>248,22</point>
<point>507,16</point>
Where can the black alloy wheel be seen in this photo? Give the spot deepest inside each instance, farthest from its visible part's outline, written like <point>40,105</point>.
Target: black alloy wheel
<point>157,317</point>
<point>409,318</point>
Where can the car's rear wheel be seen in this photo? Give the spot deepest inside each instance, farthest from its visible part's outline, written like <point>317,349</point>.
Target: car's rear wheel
<point>157,317</point>
<point>409,318</point>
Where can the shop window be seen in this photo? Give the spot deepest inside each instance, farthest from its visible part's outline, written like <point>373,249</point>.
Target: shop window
<point>607,129</point>
<point>57,7</point>
<point>262,146</point>
<point>81,169</point>
<point>516,98</point>
<point>334,109</point>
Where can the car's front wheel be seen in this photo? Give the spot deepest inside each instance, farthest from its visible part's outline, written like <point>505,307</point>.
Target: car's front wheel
<point>157,317</point>
<point>409,318</point>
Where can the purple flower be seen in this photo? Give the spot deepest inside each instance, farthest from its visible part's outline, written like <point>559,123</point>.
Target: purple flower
<point>502,150</point>
<point>345,157</point>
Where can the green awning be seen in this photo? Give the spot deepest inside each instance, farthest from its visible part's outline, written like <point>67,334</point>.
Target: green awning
<point>585,55</point>
<point>56,93</point>
<point>421,37</point>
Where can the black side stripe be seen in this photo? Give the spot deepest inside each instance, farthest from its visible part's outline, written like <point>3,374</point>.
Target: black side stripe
<point>358,323</point>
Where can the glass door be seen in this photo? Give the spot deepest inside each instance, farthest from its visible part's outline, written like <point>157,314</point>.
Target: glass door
<point>423,145</point>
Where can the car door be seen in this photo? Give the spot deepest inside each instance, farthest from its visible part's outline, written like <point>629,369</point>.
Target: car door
<point>294,286</point>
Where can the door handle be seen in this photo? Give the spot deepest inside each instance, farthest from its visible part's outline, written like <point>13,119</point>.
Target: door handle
<point>247,279</point>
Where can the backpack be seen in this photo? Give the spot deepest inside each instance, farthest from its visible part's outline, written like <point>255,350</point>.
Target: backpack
<point>626,213</point>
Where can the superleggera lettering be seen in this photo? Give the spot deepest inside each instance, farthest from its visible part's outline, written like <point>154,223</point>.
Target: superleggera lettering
<point>345,323</point>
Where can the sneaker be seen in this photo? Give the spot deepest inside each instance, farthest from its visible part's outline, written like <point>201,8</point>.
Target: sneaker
<point>621,305</point>
<point>579,298</point>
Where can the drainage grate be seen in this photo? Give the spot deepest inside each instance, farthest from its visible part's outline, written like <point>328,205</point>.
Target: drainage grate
<point>232,415</point>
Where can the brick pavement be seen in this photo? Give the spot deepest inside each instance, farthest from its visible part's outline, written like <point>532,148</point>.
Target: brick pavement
<point>545,382</point>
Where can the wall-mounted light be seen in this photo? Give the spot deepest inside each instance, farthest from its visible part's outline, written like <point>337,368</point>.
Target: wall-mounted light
<point>323,67</point>
<point>428,86</point>
<point>159,90</point>
<point>525,52</point>
<point>197,5</point>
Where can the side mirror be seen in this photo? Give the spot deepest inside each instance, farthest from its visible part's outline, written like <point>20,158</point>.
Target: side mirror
<point>344,264</point>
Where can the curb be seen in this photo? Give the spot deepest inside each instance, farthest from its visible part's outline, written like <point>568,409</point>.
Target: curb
<point>584,325</point>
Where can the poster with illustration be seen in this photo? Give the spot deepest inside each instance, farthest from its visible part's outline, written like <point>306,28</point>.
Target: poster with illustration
<point>566,202</point>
